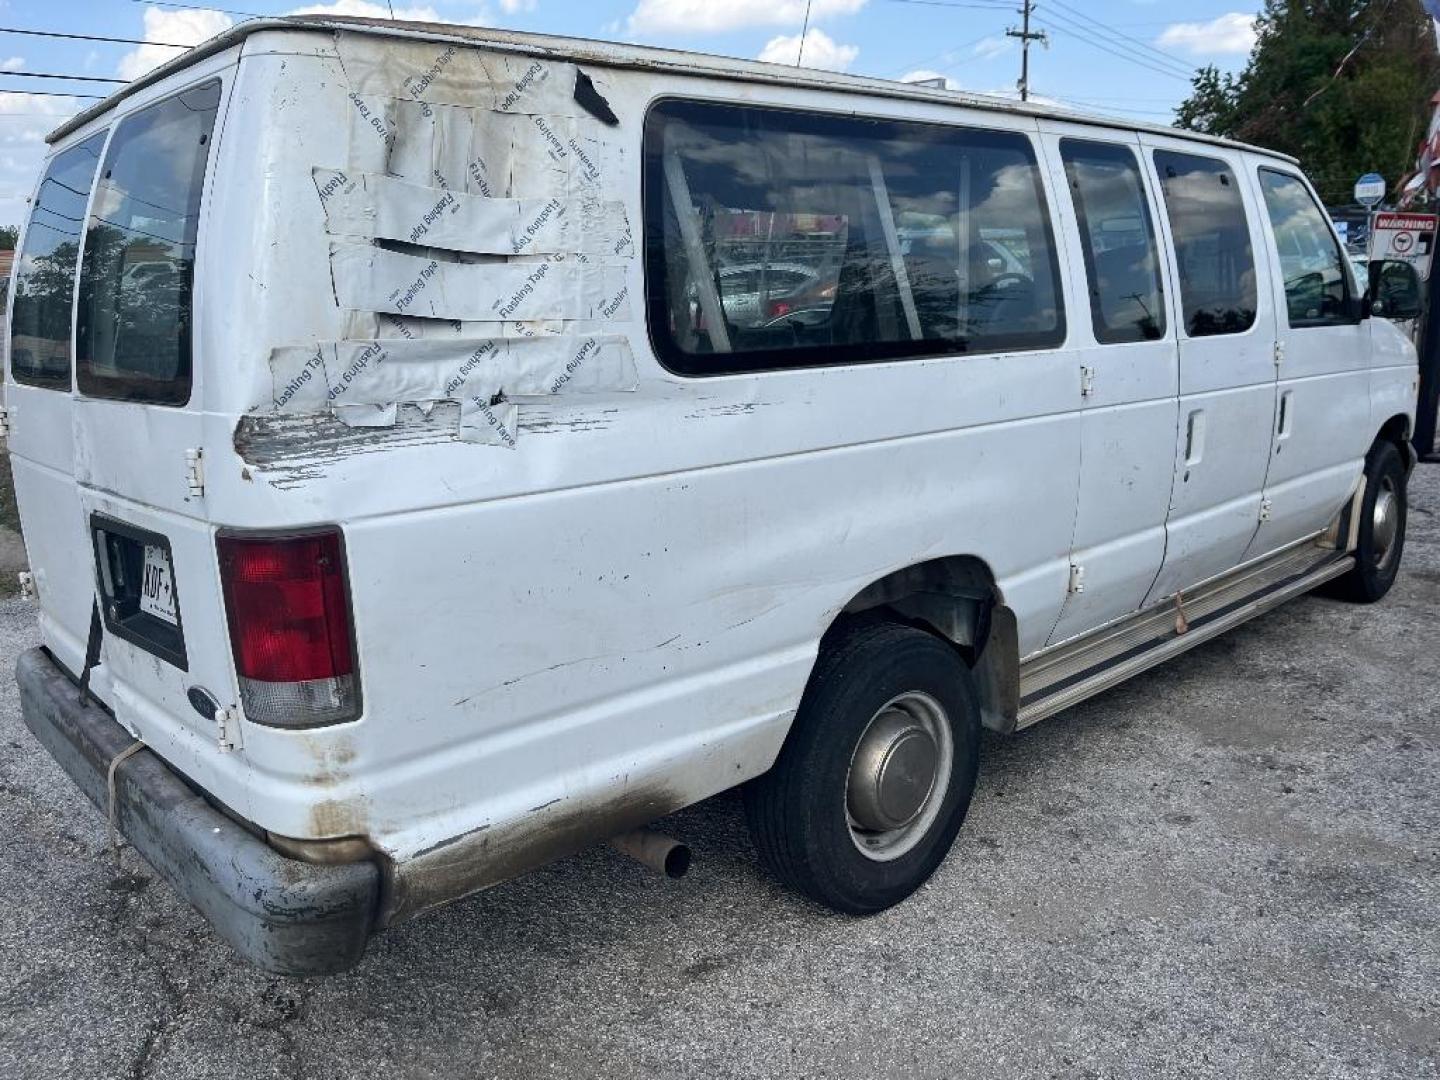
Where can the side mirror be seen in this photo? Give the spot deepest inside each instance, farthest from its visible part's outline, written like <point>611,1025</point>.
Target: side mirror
<point>1395,290</point>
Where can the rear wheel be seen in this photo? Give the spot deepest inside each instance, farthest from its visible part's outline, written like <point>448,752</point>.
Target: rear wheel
<point>1382,529</point>
<point>876,776</point>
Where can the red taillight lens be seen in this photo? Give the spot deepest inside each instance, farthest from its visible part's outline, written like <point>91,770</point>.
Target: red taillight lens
<point>289,615</point>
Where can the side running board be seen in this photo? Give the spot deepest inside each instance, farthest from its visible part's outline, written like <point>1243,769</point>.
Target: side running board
<point>1073,671</point>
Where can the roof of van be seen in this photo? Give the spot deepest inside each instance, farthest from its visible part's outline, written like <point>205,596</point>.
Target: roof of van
<point>636,57</point>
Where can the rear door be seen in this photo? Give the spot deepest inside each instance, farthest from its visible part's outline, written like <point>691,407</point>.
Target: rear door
<point>1322,427</point>
<point>39,401</point>
<point>110,471</point>
<point>1227,361</point>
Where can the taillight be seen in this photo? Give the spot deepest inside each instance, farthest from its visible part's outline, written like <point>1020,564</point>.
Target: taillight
<point>289,615</point>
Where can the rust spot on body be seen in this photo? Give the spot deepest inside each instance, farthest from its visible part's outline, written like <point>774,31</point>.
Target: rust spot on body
<point>499,851</point>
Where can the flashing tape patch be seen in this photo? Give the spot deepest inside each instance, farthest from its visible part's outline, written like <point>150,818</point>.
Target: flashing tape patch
<point>385,208</point>
<point>370,278</point>
<point>362,381</point>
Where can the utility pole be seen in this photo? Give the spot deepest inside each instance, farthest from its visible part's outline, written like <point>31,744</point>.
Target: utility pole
<point>1026,36</point>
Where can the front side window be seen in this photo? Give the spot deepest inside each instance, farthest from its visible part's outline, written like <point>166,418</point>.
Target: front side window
<point>133,322</point>
<point>787,239</point>
<point>45,279</point>
<point>1117,237</point>
<point>1316,290</point>
<point>1212,243</point>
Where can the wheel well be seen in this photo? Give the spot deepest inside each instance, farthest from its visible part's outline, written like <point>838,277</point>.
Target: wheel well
<point>1397,431</point>
<point>956,598</point>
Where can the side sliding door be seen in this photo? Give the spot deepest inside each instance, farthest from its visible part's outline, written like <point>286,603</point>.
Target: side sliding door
<point>1125,345</point>
<point>1227,359</point>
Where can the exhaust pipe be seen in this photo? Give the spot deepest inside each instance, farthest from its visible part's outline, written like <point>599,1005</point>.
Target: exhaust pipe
<point>656,850</point>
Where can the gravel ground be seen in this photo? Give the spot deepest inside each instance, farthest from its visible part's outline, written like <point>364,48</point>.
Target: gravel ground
<point>1228,867</point>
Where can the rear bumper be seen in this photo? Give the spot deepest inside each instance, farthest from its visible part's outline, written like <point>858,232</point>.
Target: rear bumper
<point>284,916</point>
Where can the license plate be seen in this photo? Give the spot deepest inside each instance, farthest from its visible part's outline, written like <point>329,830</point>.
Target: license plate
<point>157,586</point>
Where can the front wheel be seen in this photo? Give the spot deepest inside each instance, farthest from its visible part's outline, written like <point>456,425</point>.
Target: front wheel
<point>876,776</point>
<point>1382,529</point>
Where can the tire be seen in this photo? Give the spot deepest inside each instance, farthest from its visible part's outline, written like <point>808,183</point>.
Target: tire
<point>1382,536</point>
<point>886,681</point>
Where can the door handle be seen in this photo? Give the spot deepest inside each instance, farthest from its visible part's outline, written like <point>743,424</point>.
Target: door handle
<point>1287,410</point>
<point>1195,438</point>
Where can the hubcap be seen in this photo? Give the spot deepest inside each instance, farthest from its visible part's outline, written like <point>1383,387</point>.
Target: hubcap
<point>898,776</point>
<point>1385,520</point>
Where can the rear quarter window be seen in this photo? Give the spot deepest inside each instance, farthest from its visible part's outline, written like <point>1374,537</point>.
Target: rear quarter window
<point>134,315</point>
<point>782,239</point>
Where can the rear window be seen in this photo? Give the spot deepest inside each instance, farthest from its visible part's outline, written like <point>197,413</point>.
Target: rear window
<point>45,280</point>
<point>133,321</point>
<point>777,239</point>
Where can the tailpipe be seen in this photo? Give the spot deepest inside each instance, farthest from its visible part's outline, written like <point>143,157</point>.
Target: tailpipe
<point>659,852</point>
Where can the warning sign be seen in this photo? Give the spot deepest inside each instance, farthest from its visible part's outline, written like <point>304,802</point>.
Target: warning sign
<point>1410,237</point>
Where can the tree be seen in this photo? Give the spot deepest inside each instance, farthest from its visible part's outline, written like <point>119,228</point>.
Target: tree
<point>9,234</point>
<point>1343,85</point>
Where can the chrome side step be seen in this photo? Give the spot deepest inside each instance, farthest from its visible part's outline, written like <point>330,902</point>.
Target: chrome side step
<point>1071,672</point>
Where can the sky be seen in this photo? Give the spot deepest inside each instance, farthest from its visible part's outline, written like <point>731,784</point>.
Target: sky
<point>1124,57</point>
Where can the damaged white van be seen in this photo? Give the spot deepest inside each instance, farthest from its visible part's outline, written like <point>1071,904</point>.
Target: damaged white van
<point>441,449</point>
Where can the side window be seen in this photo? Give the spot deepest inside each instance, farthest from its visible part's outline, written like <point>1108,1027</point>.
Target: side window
<point>786,239</point>
<point>1122,262</point>
<point>1212,243</point>
<point>132,327</point>
<point>1316,289</point>
<point>45,277</point>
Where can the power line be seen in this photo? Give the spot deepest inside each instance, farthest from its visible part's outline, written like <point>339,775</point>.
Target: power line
<point>46,93</point>
<point>67,78</point>
<point>1117,47</point>
<point>1171,57</point>
<point>202,7</point>
<point>982,5</point>
<point>1116,52</point>
<point>89,37</point>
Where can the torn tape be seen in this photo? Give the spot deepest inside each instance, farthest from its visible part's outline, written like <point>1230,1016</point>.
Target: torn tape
<point>362,324</point>
<point>453,74</point>
<point>349,376</point>
<point>371,278</point>
<point>367,204</point>
<point>373,132</point>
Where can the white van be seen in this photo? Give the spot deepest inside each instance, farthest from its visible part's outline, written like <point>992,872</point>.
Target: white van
<point>406,507</point>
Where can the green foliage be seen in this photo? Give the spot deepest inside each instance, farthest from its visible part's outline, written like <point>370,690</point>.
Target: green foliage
<point>9,235</point>
<point>1343,85</point>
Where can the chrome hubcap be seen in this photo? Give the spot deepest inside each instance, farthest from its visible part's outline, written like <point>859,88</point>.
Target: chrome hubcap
<point>898,776</point>
<point>1385,521</point>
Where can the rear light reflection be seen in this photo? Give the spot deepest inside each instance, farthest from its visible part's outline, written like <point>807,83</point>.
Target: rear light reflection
<point>289,614</point>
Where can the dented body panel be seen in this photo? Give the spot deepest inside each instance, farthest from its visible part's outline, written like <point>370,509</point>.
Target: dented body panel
<point>585,591</point>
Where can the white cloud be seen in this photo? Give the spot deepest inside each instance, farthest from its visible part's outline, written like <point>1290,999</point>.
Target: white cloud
<point>368,9</point>
<point>713,16</point>
<point>12,63</point>
<point>180,27</point>
<point>1232,33</point>
<point>991,47</point>
<point>821,51</point>
<point>510,7</point>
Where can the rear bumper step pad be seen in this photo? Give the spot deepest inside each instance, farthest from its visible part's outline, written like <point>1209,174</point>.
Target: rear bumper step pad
<point>282,915</point>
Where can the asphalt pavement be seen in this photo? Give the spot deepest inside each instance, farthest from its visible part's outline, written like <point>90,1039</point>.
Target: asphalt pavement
<point>1228,867</point>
